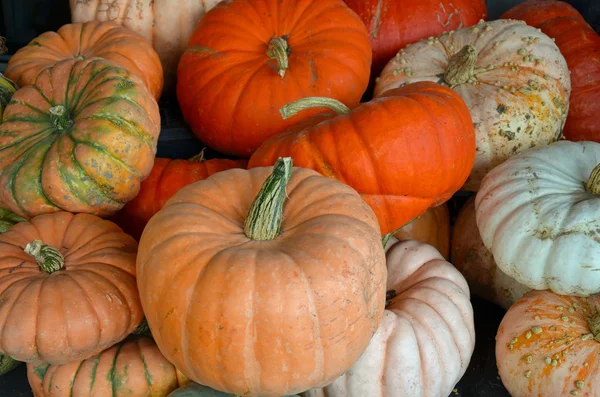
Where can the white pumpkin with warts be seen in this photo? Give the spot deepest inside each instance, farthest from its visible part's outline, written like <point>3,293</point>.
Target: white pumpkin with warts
<point>539,215</point>
<point>512,77</point>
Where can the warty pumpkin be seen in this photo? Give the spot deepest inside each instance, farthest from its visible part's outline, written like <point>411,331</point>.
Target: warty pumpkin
<point>167,26</point>
<point>134,368</point>
<point>263,282</point>
<point>427,336</point>
<point>67,287</point>
<point>248,58</point>
<point>393,24</point>
<point>165,179</point>
<point>549,344</point>
<point>94,39</point>
<point>432,227</point>
<point>471,257</point>
<point>81,139</point>
<point>580,45</point>
<point>405,152</point>
<point>539,215</point>
<point>513,78</point>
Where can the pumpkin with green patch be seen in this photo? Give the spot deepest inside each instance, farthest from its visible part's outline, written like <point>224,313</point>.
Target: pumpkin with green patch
<point>81,139</point>
<point>134,367</point>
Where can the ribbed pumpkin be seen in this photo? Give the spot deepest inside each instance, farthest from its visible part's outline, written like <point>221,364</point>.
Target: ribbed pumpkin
<point>432,227</point>
<point>263,291</point>
<point>248,58</point>
<point>67,287</point>
<point>405,152</point>
<point>513,78</point>
<point>580,45</point>
<point>133,368</point>
<point>107,40</point>
<point>166,25</point>
<point>165,179</point>
<point>81,139</point>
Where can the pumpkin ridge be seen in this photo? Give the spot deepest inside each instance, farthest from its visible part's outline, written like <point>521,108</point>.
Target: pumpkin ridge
<point>41,112</point>
<point>146,371</point>
<point>84,292</point>
<point>94,372</point>
<point>111,373</point>
<point>75,377</point>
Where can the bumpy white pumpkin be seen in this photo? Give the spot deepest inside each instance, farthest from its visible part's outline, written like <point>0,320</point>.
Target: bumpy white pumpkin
<point>513,78</point>
<point>426,338</point>
<point>476,262</point>
<point>540,217</point>
<point>167,24</point>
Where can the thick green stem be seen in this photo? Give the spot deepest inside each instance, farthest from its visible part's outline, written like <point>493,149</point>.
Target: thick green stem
<point>594,324</point>
<point>8,219</point>
<point>60,117</point>
<point>279,50</point>
<point>461,66</point>
<point>293,108</point>
<point>265,215</point>
<point>593,183</point>
<point>48,258</point>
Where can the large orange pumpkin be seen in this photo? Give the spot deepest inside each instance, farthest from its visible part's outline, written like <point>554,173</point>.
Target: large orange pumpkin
<point>248,58</point>
<point>67,288</point>
<point>267,296</point>
<point>106,40</point>
<point>409,150</point>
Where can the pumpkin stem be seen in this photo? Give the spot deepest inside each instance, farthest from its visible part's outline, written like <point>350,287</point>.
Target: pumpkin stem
<point>293,108</point>
<point>279,50</point>
<point>198,158</point>
<point>594,324</point>
<point>388,236</point>
<point>593,183</point>
<point>7,364</point>
<point>389,296</point>
<point>461,66</point>
<point>143,329</point>
<point>60,117</point>
<point>265,215</point>
<point>48,258</point>
<point>8,219</point>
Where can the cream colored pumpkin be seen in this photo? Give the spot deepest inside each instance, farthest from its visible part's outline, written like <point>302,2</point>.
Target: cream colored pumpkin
<point>512,77</point>
<point>167,24</point>
<point>426,338</point>
<point>540,220</point>
<point>549,345</point>
<point>476,263</point>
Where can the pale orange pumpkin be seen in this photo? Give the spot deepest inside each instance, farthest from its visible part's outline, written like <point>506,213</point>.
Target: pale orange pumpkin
<point>67,288</point>
<point>432,227</point>
<point>267,296</point>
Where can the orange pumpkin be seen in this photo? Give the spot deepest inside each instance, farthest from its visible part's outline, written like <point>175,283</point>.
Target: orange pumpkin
<point>94,39</point>
<point>67,287</point>
<point>261,297</point>
<point>433,228</point>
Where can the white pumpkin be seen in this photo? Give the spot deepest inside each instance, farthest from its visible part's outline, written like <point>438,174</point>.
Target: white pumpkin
<point>426,338</point>
<point>540,217</point>
<point>471,257</point>
<point>167,24</point>
<point>512,77</point>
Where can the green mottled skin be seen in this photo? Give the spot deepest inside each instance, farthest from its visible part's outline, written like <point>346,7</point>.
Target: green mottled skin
<point>7,89</point>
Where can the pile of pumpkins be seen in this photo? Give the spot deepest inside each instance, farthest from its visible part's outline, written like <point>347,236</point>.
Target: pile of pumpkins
<point>317,258</point>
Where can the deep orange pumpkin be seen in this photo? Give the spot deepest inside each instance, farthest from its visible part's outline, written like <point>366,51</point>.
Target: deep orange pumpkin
<point>248,58</point>
<point>580,45</point>
<point>409,150</point>
<point>165,179</point>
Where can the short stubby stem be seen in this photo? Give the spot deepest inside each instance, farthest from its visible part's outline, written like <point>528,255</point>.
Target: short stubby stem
<point>461,66</point>
<point>266,212</point>
<point>48,258</point>
<point>60,117</point>
<point>293,108</point>
<point>279,50</point>
<point>593,183</point>
<point>198,158</point>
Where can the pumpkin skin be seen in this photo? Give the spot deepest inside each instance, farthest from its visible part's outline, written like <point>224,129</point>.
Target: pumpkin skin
<point>92,156</point>
<point>392,24</point>
<point>94,39</point>
<point>196,390</point>
<point>476,262</point>
<point>427,336</point>
<point>325,270</point>
<point>402,170</point>
<point>517,102</point>
<point>433,228</point>
<point>134,367</point>
<point>580,45</point>
<point>7,89</point>
<point>168,28</point>
<point>165,179</point>
<point>230,90</point>
<point>546,346</point>
<point>540,222</point>
<point>66,315</point>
